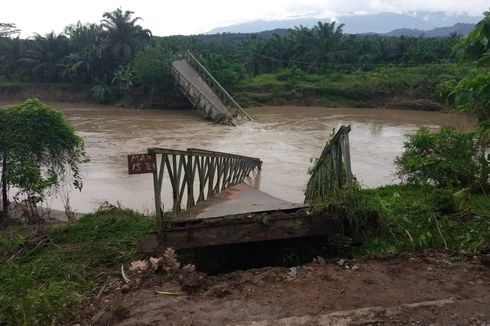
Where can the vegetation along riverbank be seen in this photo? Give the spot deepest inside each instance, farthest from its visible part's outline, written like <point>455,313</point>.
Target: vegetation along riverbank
<point>119,61</point>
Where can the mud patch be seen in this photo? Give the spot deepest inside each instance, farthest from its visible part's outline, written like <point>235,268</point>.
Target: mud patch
<point>312,289</point>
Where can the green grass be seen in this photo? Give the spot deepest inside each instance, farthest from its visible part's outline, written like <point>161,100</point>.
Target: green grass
<point>414,218</point>
<point>44,285</point>
<point>356,88</point>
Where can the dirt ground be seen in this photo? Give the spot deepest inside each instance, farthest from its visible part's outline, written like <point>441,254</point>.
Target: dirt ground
<point>418,289</point>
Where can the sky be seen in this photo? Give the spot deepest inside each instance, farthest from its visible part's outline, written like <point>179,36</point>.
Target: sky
<point>199,16</point>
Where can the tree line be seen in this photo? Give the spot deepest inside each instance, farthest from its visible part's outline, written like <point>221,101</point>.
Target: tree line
<point>118,54</point>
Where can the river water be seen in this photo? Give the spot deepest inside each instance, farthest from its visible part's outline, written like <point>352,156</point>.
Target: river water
<point>285,138</point>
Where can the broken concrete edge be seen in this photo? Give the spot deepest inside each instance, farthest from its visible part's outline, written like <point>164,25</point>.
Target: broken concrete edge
<point>242,228</point>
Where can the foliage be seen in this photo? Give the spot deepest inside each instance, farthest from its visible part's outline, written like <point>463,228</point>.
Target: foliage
<point>124,38</point>
<point>40,151</point>
<point>44,285</point>
<point>445,158</point>
<point>152,68</point>
<point>124,78</point>
<point>357,88</point>
<point>475,47</point>
<point>411,218</point>
<point>472,93</point>
<point>92,54</point>
<point>226,72</point>
<point>101,92</point>
<point>8,29</point>
<point>43,57</point>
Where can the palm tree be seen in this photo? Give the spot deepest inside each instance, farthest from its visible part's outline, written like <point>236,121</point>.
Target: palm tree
<point>44,55</point>
<point>302,39</point>
<point>124,38</point>
<point>251,54</point>
<point>327,38</point>
<point>84,63</point>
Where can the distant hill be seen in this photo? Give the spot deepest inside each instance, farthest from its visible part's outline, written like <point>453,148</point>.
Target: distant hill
<point>461,29</point>
<point>380,23</point>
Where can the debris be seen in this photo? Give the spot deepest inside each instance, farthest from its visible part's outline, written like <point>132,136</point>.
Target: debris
<point>341,262</point>
<point>320,260</point>
<point>102,289</point>
<point>293,271</point>
<point>138,265</point>
<point>355,267</point>
<point>125,278</point>
<point>169,260</point>
<point>154,262</point>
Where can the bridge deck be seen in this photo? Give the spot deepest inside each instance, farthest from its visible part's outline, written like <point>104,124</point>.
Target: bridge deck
<point>192,76</point>
<point>237,215</point>
<point>239,199</point>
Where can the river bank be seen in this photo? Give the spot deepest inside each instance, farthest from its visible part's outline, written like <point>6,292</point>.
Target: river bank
<point>398,87</point>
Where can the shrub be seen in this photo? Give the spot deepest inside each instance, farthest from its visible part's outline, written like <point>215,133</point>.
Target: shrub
<point>445,159</point>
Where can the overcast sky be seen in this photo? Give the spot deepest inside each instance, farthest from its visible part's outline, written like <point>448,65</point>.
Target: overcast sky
<point>199,16</point>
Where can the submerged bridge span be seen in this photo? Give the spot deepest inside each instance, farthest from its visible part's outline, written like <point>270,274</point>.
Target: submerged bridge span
<point>206,94</point>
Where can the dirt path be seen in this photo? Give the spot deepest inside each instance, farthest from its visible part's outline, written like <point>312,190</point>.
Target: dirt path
<point>420,289</point>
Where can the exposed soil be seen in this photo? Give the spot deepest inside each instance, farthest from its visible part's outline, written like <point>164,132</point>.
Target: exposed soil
<point>426,288</point>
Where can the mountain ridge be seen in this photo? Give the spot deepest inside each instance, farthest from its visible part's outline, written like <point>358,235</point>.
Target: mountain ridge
<point>380,23</point>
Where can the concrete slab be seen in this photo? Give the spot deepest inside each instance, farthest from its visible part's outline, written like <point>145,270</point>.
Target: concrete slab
<point>239,199</point>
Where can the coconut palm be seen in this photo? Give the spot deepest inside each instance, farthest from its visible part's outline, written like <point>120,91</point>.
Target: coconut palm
<point>124,37</point>
<point>327,38</point>
<point>84,63</point>
<point>43,56</point>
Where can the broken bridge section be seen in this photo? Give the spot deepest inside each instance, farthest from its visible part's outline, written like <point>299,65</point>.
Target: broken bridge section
<point>212,204</point>
<point>205,93</point>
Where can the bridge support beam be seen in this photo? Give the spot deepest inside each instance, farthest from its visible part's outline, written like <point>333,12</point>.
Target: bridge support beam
<point>263,226</point>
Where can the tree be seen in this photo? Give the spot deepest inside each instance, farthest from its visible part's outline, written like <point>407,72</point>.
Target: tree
<point>152,69</point>
<point>327,39</point>
<point>84,63</point>
<point>226,72</point>
<point>124,37</point>
<point>8,29</point>
<point>43,56</point>
<point>39,152</point>
<point>445,158</point>
<point>472,94</point>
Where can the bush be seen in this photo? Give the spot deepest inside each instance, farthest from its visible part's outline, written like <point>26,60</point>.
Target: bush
<point>445,159</point>
<point>40,152</point>
<point>226,72</point>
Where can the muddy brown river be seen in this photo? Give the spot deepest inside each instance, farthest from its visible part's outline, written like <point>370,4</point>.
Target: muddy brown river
<point>285,138</point>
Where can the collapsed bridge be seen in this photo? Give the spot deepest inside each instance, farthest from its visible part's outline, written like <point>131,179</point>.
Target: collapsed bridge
<point>205,93</point>
<point>213,204</point>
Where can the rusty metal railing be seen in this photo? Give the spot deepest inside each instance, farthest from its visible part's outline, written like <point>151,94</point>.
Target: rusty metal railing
<point>332,171</point>
<point>217,88</point>
<point>197,174</point>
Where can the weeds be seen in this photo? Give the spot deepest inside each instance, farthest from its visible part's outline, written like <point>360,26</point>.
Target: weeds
<point>44,285</point>
<point>419,218</point>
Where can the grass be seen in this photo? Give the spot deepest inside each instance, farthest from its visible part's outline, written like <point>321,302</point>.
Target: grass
<point>414,218</point>
<point>355,88</point>
<point>43,285</point>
